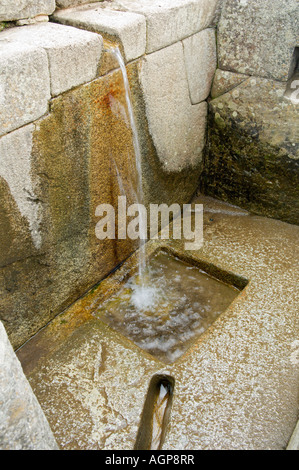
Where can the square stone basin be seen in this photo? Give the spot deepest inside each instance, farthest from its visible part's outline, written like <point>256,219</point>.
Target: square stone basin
<point>171,306</point>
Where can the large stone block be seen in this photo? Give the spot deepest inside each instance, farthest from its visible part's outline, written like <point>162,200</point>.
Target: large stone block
<point>73,54</point>
<point>253,151</point>
<point>201,61</point>
<point>24,84</point>
<point>258,38</point>
<point>225,81</point>
<point>176,126</point>
<point>20,9</point>
<point>16,171</point>
<point>23,425</point>
<point>126,27</point>
<point>171,20</point>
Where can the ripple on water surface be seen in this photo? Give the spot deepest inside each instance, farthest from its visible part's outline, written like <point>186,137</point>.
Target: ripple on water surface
<point>169,309</point>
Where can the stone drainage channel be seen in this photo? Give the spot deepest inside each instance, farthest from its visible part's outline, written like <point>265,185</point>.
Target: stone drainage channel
<point>177,379</point>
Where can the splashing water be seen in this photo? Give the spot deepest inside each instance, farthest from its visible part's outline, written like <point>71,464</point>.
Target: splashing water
<point>167,313</point>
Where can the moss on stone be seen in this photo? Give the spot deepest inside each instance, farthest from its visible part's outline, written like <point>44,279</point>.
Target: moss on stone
<point>251,156</point>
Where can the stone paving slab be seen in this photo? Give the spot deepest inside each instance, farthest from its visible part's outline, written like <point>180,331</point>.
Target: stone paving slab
<point>235,388</point>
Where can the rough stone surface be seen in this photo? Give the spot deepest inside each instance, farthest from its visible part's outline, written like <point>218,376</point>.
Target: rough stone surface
<point>73,54</point>
<point>73,168</point>
<point>218,12</point>
<point>73,3</point>
<point>253,151</point>
<point>246,32</point>
<point>24,84</point>
<point>76,157</point>
<point>126,27</point>
<point>182,17</point>
<point>235,388</point>
<point>225,81</point>
<point>15,169</point>
<point>35,20</point>
<point>23,425</point>
<point>177,127</point>
<point>200,59</point>
<point>19,9</point>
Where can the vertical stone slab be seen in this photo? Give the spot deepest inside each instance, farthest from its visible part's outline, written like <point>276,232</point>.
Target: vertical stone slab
<point>252,159</point>
<point>177,127</point>
<point>24,84</point>
<point>171,20</point>
<point>23,425</point>
<point>201,60</point>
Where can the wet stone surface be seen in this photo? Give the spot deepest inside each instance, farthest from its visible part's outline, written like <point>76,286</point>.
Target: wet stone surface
<point>236,387</point>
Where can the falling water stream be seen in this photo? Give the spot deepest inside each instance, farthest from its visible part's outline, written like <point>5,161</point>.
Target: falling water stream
<point>139,193</point>
<point>164,306</point>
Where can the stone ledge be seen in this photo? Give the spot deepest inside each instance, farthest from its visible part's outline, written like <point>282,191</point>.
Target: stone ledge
<point>171,20</point>
<point>128,28</point>
<point>74,3</point>
<point>73,54</point>
<point>225,81</point>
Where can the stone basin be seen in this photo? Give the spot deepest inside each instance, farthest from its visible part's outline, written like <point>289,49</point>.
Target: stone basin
<point>175,301</point>
<point>236,385</point>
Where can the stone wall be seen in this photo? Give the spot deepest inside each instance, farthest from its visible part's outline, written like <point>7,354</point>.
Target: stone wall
<point>252,156</point>
<point>65,141</point>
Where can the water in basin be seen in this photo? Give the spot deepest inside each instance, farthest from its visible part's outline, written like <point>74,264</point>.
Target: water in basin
<point>173,305</point>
